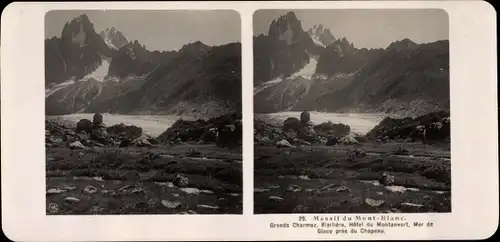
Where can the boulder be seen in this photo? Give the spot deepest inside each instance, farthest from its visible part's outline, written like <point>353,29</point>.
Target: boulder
<point>331,129</point>
<point>71,200</point>
<point>76,145</point>
<point>294,188</point>
<point>374,203</point>
<point>431,126</point>
<point>180,181</point>
<point>284,144</point>
<point>141,142</point>
<point>291,124</point>
<point>349,140</point>
<point>84,125</point>
<point>205,130</point>
<point>308,134</point>
<point>270,132</point>
<point>54,141</point>
<point>82,137</point>
<point>305,117</point>
<point>386,179</point>
<point>332,141</point>
<point>171,204</point>
<point>122,131</point>
<point>101,136</point>
<point>97,119</point>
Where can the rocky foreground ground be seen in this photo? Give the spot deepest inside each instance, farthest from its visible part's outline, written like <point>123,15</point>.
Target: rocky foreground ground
<point>327,169</point>
<point>119,170</point>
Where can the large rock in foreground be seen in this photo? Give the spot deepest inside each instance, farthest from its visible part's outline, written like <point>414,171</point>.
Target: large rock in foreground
<point>84,125</point>
<point>329,129</point>
<point>225,130</point>
<point>124,132</point>
<point>432,126</point>
<point>291,124</point>
<point>266,134</point>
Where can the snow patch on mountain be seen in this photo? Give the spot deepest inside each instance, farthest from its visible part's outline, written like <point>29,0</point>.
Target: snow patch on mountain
<point>110,44</point>
<point>267,84</point>
<point>317,42</point>
<point>98,74</point>
<point>54,89</point>
<point>321,36</point>
<point>113,38</point>
<point>308,70</point>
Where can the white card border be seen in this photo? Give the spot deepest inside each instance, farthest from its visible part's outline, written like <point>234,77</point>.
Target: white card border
<point>474,134</point>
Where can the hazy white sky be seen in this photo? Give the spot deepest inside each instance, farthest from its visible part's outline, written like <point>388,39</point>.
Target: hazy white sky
<point>157,29</point>
<point>368,28</point>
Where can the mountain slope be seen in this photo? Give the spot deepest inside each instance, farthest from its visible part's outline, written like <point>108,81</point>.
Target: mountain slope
<point>405,78</point>
<point>201,79</point>
<point>125,77</point>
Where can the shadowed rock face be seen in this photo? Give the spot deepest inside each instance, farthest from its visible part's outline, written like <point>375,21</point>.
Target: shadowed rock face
<point>76,53</point>
<point>284,51</point>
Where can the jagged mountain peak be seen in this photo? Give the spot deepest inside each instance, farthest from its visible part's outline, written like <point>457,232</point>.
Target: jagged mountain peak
<point>404,44</point>
<point>82,17</point>
<point>290,14</point>
<point>113,38</point>
<point>78,30</point>
<point>194,46</point>
<point>287,27</point>
<point>81,20</point>
<point>320,35</point>
<point>342,44</point>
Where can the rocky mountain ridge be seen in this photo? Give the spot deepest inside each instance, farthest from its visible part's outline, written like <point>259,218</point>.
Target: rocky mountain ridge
<point>296,70</point>
<point>105,72</point>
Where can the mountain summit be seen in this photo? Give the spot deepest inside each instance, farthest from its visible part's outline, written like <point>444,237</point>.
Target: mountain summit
<point>113,38</point>
<point>287,28</point>
<point>320,35</point>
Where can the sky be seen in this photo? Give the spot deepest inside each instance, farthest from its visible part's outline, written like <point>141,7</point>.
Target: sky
<point>157,29</point>
<point>368,28</point>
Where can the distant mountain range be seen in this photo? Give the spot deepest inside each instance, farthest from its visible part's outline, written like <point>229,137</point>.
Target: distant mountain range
<point>296,70</point>
<point>88,71</point>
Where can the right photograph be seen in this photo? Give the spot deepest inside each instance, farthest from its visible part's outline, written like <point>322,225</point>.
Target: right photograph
<point>351,111</point>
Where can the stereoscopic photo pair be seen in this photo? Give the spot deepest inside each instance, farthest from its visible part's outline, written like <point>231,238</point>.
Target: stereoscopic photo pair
<point>144,111</point>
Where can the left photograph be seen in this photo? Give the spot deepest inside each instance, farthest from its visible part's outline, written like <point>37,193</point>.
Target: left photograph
<point>143,112</point>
